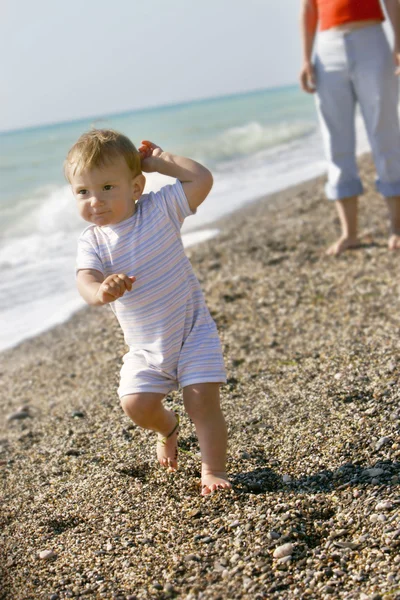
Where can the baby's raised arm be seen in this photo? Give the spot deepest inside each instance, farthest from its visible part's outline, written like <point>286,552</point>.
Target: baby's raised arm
<point>196,180</point>
<point>96,290</point>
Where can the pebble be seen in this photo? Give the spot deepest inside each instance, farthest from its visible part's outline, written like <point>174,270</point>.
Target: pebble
<point>191,557</point>
<point>284,550</point>
<point>72,452</point>
<point>78,414</point>
<point>382,442</point>
<point>374,472</point>
<point>374,518</point>
<point>285,560</point>
<point>385,505</point>
<point>47,554</point>
<point>157,586</point>
<point>286,478</point>
<point>18,416</point>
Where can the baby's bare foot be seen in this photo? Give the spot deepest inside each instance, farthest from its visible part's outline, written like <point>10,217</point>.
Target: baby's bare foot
<point>167,447</point>
<point>210,482</point>
<point>343,244</point>
<point>394,242</point>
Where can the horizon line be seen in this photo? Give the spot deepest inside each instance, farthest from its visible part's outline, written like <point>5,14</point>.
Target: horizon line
<point>121,113</point>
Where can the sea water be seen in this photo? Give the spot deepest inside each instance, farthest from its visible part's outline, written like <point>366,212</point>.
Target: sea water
<point>254,144</point>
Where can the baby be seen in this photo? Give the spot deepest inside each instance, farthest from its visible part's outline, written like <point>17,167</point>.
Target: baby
<point>131,256</point>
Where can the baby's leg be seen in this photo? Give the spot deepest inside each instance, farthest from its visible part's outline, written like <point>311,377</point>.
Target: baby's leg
<point>203,407</point>
<point>147,410</point>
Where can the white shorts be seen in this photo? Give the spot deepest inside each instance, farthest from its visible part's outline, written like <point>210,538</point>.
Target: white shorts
<point>200,361</point>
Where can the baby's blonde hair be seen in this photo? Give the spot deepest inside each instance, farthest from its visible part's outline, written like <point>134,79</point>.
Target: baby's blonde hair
<point>96,148</point>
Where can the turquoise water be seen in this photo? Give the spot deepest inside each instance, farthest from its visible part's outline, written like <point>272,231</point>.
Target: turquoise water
<point>254,143</point>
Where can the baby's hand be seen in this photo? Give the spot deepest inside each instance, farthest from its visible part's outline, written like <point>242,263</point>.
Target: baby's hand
<point>114,287</point>
<point>149,152</point>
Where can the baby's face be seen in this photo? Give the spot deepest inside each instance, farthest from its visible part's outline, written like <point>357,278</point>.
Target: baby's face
<point>106,195</point>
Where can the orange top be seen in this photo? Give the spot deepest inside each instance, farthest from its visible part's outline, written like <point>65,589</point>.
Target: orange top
<point>332,13</point>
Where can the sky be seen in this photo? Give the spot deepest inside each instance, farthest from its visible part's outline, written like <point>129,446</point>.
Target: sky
<point>65,60</point>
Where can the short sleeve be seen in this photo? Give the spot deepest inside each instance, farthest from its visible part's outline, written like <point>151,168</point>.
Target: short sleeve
<point>172,200</point>
<point>87,257</point>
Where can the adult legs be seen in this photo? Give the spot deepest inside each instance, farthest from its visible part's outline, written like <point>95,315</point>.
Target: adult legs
<point>202,403</point>
<point>336,102</point>
<point>347,210</point>
<point>377,90</point>
<point>147,410</point>
<point>393,205</point>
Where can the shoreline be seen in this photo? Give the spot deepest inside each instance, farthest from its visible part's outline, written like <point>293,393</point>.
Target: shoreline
<point>312,405</point>
<point>211,230</point>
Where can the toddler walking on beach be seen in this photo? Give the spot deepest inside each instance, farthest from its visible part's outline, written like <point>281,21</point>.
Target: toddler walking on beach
<point>131,257</point>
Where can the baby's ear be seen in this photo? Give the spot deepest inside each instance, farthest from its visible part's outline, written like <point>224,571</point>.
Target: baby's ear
<point>138,183</point>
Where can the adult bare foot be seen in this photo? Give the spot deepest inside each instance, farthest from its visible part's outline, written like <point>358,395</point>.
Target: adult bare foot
<point>394,242</point>
<point>210,482</point>
<point>167,447</point>
<point>343,244</point>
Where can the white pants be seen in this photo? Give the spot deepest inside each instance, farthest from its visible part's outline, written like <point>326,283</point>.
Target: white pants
<point>357,67</point>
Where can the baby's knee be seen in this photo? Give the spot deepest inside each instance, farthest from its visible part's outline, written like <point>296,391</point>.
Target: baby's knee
<point>140,407</point>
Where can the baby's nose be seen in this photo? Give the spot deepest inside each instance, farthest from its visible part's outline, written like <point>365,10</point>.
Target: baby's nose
<point>96,201</point>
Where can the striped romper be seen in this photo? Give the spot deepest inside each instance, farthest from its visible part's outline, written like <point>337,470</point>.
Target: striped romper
<point>171,336</point>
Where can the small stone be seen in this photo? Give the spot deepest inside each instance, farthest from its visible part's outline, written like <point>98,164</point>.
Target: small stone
<point>234,524</point>
<point>286,478</point>
<point>385,505</point>
<point>78,414</point>
<point>382,518</point>
<point>374,518</point>
<point>193,557</point>
<point>374,472</point>
<point>285,560</point>
<point>54,597</point>
<point>338,533</point>
<point>18,416</point>
<point>169,588</point>
<point>382,442</point>
<point>109,547</point>
<point>274,535</point>
<point>284,550</point>
<point>72,452</point>
<point>47,554</point>
<point>157,586</point>
<point>349,545</point>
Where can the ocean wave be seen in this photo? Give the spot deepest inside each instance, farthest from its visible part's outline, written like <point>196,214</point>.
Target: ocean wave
<point>251,138</point>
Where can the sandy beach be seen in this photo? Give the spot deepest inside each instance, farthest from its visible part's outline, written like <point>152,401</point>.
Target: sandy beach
<point>311,345</point>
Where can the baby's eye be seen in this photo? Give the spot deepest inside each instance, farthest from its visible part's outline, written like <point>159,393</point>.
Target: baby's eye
<point>108,187</point>
<point>82,192</point>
